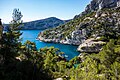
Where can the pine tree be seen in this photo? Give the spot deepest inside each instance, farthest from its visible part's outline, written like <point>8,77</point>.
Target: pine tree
<point>10,42</point>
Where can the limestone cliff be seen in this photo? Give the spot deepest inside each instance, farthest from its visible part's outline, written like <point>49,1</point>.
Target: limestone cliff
<point>98,5</point>
<point>103,23</point>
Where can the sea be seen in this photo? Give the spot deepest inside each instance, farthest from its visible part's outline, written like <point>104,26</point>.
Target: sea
<point>70,51</point>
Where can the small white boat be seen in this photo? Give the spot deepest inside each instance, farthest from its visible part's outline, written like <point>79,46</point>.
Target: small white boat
<point>66,56</point>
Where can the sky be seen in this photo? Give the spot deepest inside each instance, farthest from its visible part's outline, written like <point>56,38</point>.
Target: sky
<point>41,9</point>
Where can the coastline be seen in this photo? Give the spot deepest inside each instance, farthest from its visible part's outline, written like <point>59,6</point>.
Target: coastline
<point>88,46</point>
<point>54,41</point>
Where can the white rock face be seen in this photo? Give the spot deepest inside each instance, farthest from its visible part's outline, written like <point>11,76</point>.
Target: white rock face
<point>99,4</point>
<point>98,14</point>
<point>77,37</point>
<point>90,46</point>
<point>118,3</point>
<point>107,3</point>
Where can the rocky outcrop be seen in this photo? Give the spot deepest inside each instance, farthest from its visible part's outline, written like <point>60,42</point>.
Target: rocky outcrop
<point>96,5</point>
<point>77,37</point>
<point>118,3</point>
<point>103,23</point>
<point>107,3</point>
<point>58,79</point>
<point>91,46</point>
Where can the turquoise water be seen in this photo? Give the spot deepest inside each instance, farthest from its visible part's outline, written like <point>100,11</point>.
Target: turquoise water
<point>31,35</point>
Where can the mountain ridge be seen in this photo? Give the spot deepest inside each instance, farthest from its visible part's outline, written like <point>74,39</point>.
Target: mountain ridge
<point>43,23</point>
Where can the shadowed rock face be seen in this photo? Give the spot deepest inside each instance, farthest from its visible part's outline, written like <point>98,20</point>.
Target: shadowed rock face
<point>107,3</point>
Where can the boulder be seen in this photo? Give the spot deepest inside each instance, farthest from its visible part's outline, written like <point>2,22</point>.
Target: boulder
<point>58,79</point>
<point>91,46</point>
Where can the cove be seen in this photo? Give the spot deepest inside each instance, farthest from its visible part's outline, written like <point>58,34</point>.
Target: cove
<point>69,50</point>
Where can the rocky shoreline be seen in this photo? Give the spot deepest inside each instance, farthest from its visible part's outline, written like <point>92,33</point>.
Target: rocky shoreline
<point>88,46</point>
<point>87,32</point>
<point>67,42</point>
<point>54,41</point>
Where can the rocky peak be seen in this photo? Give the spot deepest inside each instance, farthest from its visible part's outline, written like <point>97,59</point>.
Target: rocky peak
<point>96,5</point>
<point>118,3</point>
<point>99,4</point>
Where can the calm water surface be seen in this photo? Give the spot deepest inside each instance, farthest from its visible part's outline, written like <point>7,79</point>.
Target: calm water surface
<point>31,35</point>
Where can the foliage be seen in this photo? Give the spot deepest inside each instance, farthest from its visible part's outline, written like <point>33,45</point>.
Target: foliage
<point>24,62</point>
<point>105,26</point>
<point>101,66</point>
<point>16,22</point>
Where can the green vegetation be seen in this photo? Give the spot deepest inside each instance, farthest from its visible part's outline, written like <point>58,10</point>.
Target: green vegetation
<point>43,24</point>
<point>105,25</point>
<point>65,30</point>
<point>102,66</point>
<point>24,62</point>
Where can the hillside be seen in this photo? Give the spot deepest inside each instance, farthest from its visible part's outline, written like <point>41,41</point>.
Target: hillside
<point>97,33</point>
<point>50,22</point>
<point>43,23</point>
<point>101,25</point>
<point>95,5</point>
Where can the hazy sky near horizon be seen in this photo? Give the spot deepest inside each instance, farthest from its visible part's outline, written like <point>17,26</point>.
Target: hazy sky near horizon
<point>40,9</point>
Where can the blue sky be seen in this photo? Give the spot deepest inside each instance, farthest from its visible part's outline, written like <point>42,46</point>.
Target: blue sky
<point>40,9</point>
